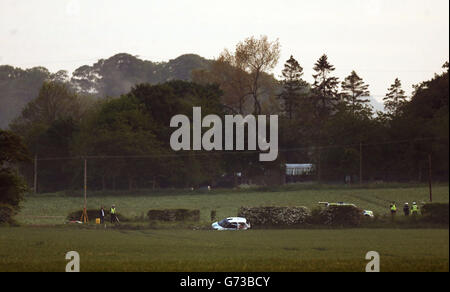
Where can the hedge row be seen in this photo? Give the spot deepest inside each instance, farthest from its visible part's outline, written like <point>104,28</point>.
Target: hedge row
<point>339,216</point>
<point>173,215</point>
<point>436,212</point>
<point>288,216</point>
<point>275,215</point>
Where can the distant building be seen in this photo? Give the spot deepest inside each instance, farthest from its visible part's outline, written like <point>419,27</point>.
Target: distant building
<point>299,172</point>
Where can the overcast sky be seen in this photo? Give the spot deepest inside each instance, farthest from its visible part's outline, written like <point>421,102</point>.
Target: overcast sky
<point>380,39</point>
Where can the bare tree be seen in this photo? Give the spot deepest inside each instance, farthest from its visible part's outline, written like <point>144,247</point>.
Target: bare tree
<point>242,74</point>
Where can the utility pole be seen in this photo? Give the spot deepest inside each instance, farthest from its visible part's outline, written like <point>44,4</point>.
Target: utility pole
<point>35,175</point>
<point>319,170</point>
<point>429,177</point>
<point>360,164</point>
<point>84,216</point>
<point>85,184</point>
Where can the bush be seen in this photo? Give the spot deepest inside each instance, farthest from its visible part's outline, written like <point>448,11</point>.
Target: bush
<point>173,215</point>
<point>93,214</point>
<point>436,212</point>
<point>7,213</point>
<point>281,216</point>
<point>339,216</point>
<point>12,189</point>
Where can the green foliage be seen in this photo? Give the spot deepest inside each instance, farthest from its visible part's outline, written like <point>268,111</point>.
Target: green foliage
<point>12,186</point>
<point>173,215</point>
<point>319,123</point>
<point>395,99</point>
<point>325,87</point>
<point>355,92</point>
<point>118,74</point>
<point>436,212</point>
<point>12,149</point>
<point>18,87</point>
<point>294,88</point>
<point>138,124</point>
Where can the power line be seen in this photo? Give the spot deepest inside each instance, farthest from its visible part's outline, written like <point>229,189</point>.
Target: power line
<point>235,152</point>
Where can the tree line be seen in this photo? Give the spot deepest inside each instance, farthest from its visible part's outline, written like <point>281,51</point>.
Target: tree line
<point>329,123</point>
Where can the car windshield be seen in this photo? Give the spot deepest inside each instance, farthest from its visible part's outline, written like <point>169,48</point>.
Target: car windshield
<point>226,224</point>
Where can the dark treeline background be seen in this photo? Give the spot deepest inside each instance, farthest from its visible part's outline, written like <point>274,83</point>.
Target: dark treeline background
<point>117,113</point>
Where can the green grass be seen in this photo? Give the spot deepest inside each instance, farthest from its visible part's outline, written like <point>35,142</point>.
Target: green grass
<point>227,203</point>
<point>44,249</point>
<point>39,246</point>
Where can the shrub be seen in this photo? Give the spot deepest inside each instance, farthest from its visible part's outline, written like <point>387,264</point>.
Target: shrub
<point>172,215</point>
<point>436,212</point>
<point>93,214</point>
<point>7,213</point>
<point>12,189</point>
<point>282,216</point>
<point>339,216</point>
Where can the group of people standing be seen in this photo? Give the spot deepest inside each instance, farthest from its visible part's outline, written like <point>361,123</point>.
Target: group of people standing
<point>112,212</point>
<point>407,209</point>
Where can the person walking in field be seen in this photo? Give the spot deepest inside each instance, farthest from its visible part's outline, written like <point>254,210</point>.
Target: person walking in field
<point>113,214</point>
<point>102,215</point>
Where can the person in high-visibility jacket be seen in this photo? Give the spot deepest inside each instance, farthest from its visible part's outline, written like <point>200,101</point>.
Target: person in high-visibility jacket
<point>415,209</point>
<point>113,214</point>
<point>393,210</point>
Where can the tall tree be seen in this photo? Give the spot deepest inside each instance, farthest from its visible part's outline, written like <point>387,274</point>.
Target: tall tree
<point>56,101</point>
<point>256,57</point>
<point>325,86</point>
<point>355,92</point>
<point>395,98</point>
<point>17,88</point>
<point>243,75</point>
<point>232,81</point>
<point>12,186</point>
<point>293,86</point>
<point>12,149</point>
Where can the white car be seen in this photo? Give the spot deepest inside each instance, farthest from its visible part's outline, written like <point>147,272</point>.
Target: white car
<point>368,213</point>
<point>232,223</point>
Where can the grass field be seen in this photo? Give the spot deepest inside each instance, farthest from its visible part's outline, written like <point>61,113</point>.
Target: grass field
<point>44,249</point>
<point>226,203</point>
<point>42,240</point>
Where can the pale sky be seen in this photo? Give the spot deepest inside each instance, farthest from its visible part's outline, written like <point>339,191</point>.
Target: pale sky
<point>380,39</point>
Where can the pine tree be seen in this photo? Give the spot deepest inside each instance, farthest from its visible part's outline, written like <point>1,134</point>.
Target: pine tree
<point>395,98</point>
<point>325,86</point>
<point>293,86</point>
<point>355,92</point>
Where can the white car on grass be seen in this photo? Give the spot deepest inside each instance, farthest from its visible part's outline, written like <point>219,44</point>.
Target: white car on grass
<point>232,223</point>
